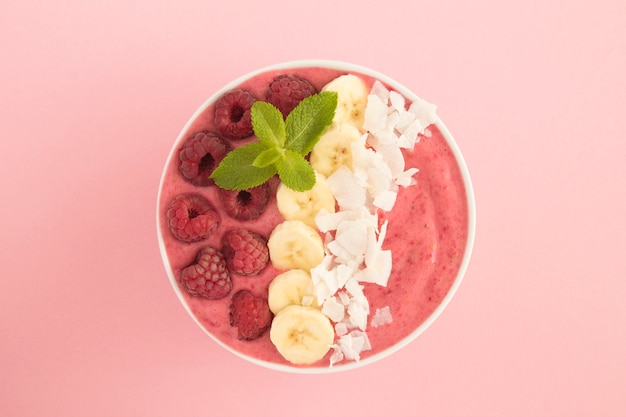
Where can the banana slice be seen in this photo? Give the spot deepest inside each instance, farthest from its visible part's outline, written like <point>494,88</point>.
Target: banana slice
<point>352,95</point>
<point>302,335</point>
<point>334,149</point>
<point>304,205</point>
<point>292,287</point>
<point>295,245</point>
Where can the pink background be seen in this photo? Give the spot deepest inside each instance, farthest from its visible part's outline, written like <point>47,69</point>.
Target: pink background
<point>93,94</point>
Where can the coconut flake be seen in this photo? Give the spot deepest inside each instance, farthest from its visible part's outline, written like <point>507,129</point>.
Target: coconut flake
<point>426,112</point>
<point>322,292</point>
<point>333,309</point>
<point>396,100</point>
<point>385,200</point>
<point>381,317</point>
<point>341,328</point>
<point>349,236</point>
<point>350,347</point>
<point>379,90</point>
<point>405,120</point>
<point>341,254</point>
<point>337,355</point>
<point>392,120</point>
<point>378,270</point>
<point>321,276</point>
<point>352,344</point>
<point>330,221</point>
<point>392,156</point>
<point>358,312</point>
<point>406,178</point>
<point>345,272</point>
<point>362,341</point>
<point>345,187</point>
<point>344,298</point>
<point>375,113</point>
<point>354,289</point>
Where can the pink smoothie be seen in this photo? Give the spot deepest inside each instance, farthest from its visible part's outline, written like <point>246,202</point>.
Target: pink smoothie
<point>427,234</point>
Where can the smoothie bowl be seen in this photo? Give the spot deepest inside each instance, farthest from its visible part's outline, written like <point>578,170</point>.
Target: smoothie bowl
<point>315,216</point>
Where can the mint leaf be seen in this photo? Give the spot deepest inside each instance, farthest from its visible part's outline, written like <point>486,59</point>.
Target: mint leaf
<point>268,157</point>
<point>237,171</point>
<point>281,147</point>
<point>268,124</point>
<point>305,123</point>
<point>295,171</point>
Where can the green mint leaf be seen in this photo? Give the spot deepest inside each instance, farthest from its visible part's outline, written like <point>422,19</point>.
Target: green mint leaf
<point>305,123</point>
<point>237,171</point>
<point>268,124</point>
<point>268,157</point>
<point>295,171</point>
<point>282,145</point>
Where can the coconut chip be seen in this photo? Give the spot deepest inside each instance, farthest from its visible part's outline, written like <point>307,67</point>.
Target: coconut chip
<point>381,317</point>
<point>333,309</point>
<point>345,187</point>
<point>352,344</point>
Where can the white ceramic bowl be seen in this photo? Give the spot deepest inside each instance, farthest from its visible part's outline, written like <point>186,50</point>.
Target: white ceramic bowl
<point>471,220</point>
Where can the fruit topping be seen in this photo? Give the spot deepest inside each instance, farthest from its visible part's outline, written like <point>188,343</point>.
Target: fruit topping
<point>286,91</point>
<point>305,205</point>
<point>334,149</point>
<point>291,287</point>
<point>302,335</point>
<point>191,217</point>
<point>245,204</point>
<point>246,252</point>
<point>232,114</point>
<point>295,245</point>
<point>199,156</point>
<point>249,314</point>
<point>352,95</point>
<point>208,276</point>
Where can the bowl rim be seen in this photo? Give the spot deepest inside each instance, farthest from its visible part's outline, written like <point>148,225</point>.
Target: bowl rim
<point>469,193</point>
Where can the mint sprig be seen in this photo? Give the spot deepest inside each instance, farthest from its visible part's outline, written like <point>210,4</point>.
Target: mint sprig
<point>282,146</point>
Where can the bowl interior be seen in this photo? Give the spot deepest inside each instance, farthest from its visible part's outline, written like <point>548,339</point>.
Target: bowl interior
<point>469,194</point>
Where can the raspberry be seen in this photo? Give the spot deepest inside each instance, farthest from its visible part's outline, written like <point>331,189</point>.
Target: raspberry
<point>199,156</point>
<point>251,315</point>
<point>286,91</point>
<point>208,276</point>
<point>191,218</point>
<point>246,252</point>
<point>245,204</point>
<point>232,114</point>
